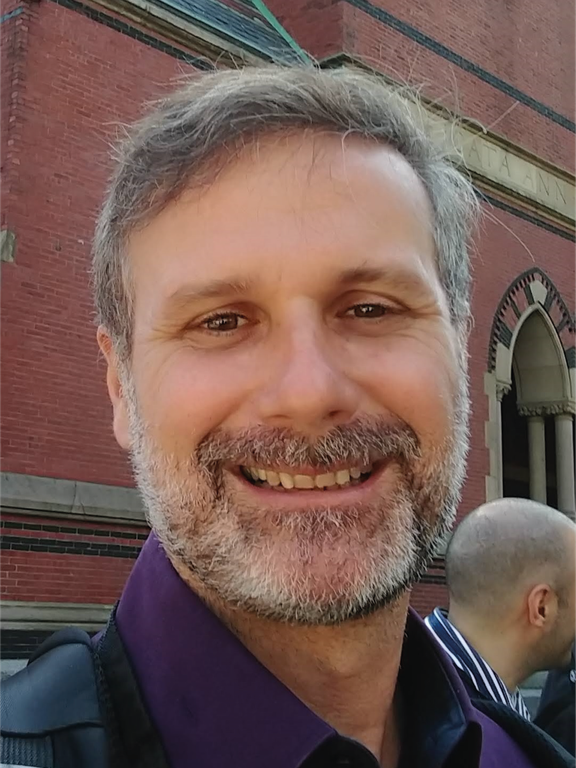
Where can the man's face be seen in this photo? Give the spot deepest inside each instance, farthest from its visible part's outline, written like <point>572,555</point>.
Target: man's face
<point>552,649</point>
<point>293,406</point>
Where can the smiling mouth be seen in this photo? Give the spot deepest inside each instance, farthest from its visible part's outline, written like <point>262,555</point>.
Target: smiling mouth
<point>284,481</point>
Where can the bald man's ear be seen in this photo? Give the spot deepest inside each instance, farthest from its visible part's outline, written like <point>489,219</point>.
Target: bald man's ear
<point>542,606</point>
<point>121,424</point>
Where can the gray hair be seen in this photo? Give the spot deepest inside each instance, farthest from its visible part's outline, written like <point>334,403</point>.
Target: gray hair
<point>194,133</point>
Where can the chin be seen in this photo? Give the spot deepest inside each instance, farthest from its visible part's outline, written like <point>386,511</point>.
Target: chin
<point>315,608</point>
<point>321,588</point>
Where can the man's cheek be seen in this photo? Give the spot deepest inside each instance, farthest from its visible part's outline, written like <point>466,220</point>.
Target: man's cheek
<point>182,406</point>
<point>420,391</point>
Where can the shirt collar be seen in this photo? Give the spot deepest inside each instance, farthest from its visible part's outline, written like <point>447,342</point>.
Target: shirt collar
<point>477,670</point>
<point>442,714</point>
<point>214,704</point>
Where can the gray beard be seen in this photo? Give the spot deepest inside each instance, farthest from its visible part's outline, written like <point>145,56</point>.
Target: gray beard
<point>318,566</point>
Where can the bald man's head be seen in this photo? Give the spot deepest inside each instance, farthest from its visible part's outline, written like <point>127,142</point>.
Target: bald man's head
<point>502,548</point>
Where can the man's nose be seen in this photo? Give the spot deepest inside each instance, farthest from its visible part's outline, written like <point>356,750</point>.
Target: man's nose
<point>307,388</point>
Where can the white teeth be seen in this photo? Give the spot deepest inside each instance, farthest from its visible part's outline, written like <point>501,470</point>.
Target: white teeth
<point>254,474</point>
<point>303,481</point>
<point>286,480</point>
<point>325,481</point>
<point>355,473</point>
<point>272,478</point>
<point>261,474</point>
<point>342,476</point>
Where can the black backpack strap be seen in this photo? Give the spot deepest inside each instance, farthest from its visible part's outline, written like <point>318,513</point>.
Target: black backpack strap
<point>543,750</point>
<point>133,738</point>
<point>50,716</point>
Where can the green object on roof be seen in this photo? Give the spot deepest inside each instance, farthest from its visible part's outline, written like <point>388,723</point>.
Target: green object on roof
<point>275,24</point>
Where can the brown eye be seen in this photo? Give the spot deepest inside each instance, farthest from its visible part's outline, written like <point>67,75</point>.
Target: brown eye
<point>230,321</point>
<point>369,311</point>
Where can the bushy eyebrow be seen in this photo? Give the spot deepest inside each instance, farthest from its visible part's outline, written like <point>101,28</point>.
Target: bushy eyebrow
<point>188,294</point>
<point>396,278</point>
<point>405,282</point>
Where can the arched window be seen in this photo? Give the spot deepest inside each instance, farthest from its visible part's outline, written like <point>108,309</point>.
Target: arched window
<point>531,388</point>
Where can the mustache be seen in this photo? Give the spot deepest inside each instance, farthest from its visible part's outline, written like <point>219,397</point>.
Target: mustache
<point>363,441</point>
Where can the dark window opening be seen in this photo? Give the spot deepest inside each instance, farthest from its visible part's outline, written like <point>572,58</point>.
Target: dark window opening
<point>515,456</point>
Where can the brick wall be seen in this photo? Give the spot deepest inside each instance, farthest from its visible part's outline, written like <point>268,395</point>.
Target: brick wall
<point>425,597</point>
<point>68,83</point>
<point>527,48</point>
<point>317,25</point>
<point>66,561</point>
<point>83,80</point>
<point>528,43</point>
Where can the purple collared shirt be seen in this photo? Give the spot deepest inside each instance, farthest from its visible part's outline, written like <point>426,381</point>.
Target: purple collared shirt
<point>215,705</point>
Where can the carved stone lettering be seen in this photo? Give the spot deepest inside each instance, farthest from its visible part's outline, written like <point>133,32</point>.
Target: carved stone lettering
<point>491,156</point>
<point>543,183</point>
<point>504,166</point>
<point>559,193</point>
<point>510,168</point>
<point>474,153</point>
<point>528,180</point>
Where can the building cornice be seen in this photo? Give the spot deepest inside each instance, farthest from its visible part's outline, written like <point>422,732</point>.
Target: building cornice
<point>29,615</point>
<point>495,163</point>
<point>192,28</point>
<point>32,494</point>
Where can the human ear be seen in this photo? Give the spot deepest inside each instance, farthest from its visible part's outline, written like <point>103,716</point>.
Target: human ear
<point>121,424</point>
<point>542,604</point>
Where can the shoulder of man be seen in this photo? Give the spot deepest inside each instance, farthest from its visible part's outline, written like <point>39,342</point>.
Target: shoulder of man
<point>556,712</point>
<point>513,741</point>
<point>559,687</point>
<point>51,707</point>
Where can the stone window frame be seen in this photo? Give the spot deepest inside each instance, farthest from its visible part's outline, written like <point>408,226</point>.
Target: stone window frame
<point>543,297</point>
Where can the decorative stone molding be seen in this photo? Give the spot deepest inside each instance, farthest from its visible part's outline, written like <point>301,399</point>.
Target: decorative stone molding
<point>7,245</point>
<point>546,409</point>
<point>70,498</point>
<point>496,164</point>
<point>531,288</point>
<point>17,614</point>
<point>492,436</point>
<point>212,30</point>
<point>502,389</point>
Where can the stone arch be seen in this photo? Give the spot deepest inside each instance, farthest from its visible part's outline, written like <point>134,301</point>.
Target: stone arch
<point>531,290</point>
<point>538,360</point>
<point>532,345</point>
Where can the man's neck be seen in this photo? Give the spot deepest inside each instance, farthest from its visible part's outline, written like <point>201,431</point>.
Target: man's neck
<point>498,648</point>
<point>345,673</point>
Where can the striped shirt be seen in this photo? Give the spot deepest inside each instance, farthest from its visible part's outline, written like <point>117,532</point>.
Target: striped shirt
<point>471,665</point>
